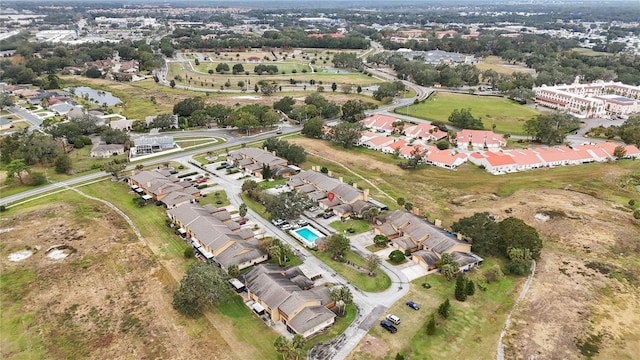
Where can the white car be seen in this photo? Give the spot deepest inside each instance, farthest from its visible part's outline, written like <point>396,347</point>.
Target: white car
<point>286,227</point>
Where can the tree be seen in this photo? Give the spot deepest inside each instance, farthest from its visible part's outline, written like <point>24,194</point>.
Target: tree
<point>551,128</point>
<point>461,291</point>
<point>6,100</point>
<point>400,201</point>
<point>113,136</point>
<point>237,69</point>
<point>470,288</point>
<point>380,240</point>
<point>619,152</point>
<point>287,205</point>
<point>163,122</point>
<point>396,256</point>
<point>334,87</point>
<point>62,164</point>
<point>267,88</point>
<point>336,245</point>
<point>445,309</point>
<point>16,168</point>
<point>482,231</point>
<point>388,90</point>
<point>172,83</point>
<point>233,270</point>
<point>188,106</point>
<point>93,73</point>
<point>443,144</point>
<point>359,89</point>
<point>266,171</point>
<point>462,118</point>
<point>373,263</point>
<point>279,251</point>
<point>313,128</point>
<point>343,297</point>
<point>448,268</point>
<point>285,104</point>
<point>202,286</point>
<point>114,169</point>
<point>222,68</point>
<point>242,210</point>
<point>431,325</point>
<point>520,261</point>
<point>515,233</point>
<point>188,252</point>
<point>630,130</point>
<point>353,110</point>
<point>346,133</point>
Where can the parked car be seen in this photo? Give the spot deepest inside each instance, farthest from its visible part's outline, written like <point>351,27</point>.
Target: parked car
<point>388,326</point>
<point>200,181</point>
<point>242,222</point>
<point>394,319</point>
<point>413,305</point>
<point>277,222</point>
<point>286,227</point>
<point>199,176</point>
<point>328,215</point>
<point>302,222</point>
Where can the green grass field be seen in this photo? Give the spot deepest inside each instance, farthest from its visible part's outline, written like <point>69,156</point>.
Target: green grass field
<point>507,115</point>
<point>589,52</point>
<point>378,283</point>
<point>357,226</point>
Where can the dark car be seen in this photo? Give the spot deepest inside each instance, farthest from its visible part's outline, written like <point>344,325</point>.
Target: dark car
<point>388,326</point>
<point>328,215</point>
<point>413,305</point>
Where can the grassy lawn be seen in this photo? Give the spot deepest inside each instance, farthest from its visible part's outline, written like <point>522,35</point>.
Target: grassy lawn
<point>357,226</point>
<point>247,327</point>
<point>217,199</point>
<point>255,206</point>
<point>362,281</point>
<point>472,328</point>
<point>184,142</point>
<point>589,52</point>
<point>272,184</point>
<point>507,115</point>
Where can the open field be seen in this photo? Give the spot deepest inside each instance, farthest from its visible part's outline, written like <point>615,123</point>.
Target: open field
<point>583,286</point>
<point>470,332</point>
<point>589,52</point>
<point>111,293</point>
<point>507,115</point>
<point>502,67</point>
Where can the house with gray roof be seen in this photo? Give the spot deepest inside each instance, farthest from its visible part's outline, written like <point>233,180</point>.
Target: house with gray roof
<point>162,186</point>
<point>427,242</point>
<point>252,160</point>
<point>289,297</point>
<point>223,242</point>
<point>346,199</point>
<point>104,150</point>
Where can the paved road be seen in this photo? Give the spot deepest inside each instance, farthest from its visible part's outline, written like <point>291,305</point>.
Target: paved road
<point>25,114</point>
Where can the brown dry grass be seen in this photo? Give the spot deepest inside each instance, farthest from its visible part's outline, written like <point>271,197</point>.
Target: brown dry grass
<point>109,300</point>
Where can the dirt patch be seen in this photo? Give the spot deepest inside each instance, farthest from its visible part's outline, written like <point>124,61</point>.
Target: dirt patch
<point>373,347</point>
<point>105,300</point>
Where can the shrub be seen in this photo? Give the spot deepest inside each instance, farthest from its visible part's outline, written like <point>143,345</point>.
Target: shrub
<point>396,257</point>
<point>444,309</point>
<point>189,253</point>
<point>202,186</point>
<point>482,285</point>
<point>461,293</point>
<point>470,288</point>
<point>431,325</point>
<point>636,214</point>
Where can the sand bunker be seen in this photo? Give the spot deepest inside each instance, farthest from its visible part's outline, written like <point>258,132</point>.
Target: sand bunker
<point>20,255</point>
<point>57,254</point>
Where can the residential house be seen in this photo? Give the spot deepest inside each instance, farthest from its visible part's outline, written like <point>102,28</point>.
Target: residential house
<point>379,123</point>
<point>425,131</point>
<point>287,296</point>
<point>378,142</point>
<point>346,199</point>
<point>151,144</point>
<point>393,147</point>
<point>252,160</point>
<point>479,140</point>
<point>496,163</point>
<point>445,158</point>
<point>158,184</point>
<point>409,231</point>
<point>104,150</point>
<point>214,235</point>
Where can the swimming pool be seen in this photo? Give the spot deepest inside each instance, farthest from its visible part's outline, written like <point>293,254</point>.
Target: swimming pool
<point>307,235</point>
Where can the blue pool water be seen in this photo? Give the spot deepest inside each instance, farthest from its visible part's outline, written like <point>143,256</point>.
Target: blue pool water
<point>307,234</point>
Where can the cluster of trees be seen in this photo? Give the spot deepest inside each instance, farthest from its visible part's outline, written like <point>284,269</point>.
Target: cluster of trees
<point>388,90</point>
<point>28,69</point>
<point>629,131</point>
<point>290,349</point>
<point>287,205</point>
<point>276,249</point>
<point>346,133</point>
<point>463,119</point>
<point>262,68</point>
<point>293,153</point>
<point>551,127</point>
<point>202,286</point>
<point>347,61</point>
<point>286,37</point>
<point>510,238</point>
